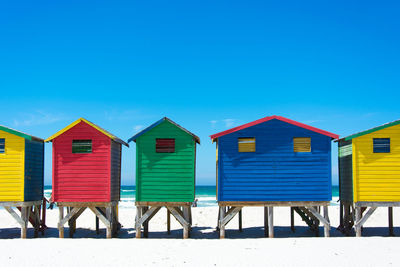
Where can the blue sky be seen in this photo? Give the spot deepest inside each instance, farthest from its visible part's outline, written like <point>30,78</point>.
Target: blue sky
<point>208,65</point>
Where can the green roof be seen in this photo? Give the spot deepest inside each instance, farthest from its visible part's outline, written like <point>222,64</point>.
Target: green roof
<point>384,126</point>
<point>20,134</point>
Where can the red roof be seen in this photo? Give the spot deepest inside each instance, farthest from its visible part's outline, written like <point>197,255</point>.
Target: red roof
<point>299,124</point>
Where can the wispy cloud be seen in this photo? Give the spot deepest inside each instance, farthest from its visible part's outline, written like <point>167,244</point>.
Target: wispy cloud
<point>312,121</point>
<point>38,118</point>
<point>213,123</point>
<point>370,114</point>
<point>229,122</point>
<point>125,115</point>
<point>137,128</point>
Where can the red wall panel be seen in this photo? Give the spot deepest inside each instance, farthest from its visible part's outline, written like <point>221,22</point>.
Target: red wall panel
<point>81,177</point>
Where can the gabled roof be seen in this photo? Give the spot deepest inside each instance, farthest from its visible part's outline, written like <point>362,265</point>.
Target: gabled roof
<point>111,136</point>
<point>274,117</point>
<point>383,126</point>
<point>20,134</point>
<point>133,138</point>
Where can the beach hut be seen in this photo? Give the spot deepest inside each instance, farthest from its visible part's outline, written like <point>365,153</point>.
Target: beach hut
<point>86,174</point>
<point>21,177</point>
<point>165,173</point>
<point>274,161</point>
<point>369,175</point>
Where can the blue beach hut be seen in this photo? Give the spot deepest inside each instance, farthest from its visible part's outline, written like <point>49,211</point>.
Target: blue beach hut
<point>271,162</point>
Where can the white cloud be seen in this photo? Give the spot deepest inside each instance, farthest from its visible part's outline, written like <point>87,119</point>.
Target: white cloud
<point>312,121</point>
<point>38,118</point>
<point>213,123</point>
<point>126,115</point>
<point>229,122</point>
<point>137,128</point>
<point>370,114</point>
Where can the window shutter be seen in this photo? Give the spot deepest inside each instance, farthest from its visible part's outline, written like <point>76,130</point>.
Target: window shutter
<point>2,145</point>
<point>165,145</point>
<point>302,144</point>
<point>81,146</point>
<point>381,145</point>
<point>247,144</point>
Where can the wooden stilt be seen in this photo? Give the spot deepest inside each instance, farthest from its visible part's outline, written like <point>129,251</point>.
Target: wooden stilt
<point>271,222</point>
<point>240,221</point>
<point>358,218</point>
<point>190,215</point>
<point>221,225</point>
<point>108,227</point>
<point>292,219</point>
<point>186,228</point>
<point>24,217</point>
<point>326,226</point>
<point>390,213</point>
<point>97,225</point>
<point>218,218</point>
<point>36,214</point>
<point>145,224</point>
<point>266,227</point>
<point>168,222</point>
<point>138,226</point>
<point>316,222</point>
<point>60,226</point>
<point>70,227</point>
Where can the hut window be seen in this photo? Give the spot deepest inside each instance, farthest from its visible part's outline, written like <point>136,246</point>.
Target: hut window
<point>381,145</point>
<point>165,145</point>
<point>247,144</point>
<point>2,145</point>
<point>302,144</point>
<point>81,146</point>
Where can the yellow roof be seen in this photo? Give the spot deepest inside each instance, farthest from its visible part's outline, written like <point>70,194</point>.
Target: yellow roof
<point>113,137</point>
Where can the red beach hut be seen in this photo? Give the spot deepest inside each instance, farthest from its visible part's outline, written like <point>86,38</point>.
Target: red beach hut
<point>86,172</point>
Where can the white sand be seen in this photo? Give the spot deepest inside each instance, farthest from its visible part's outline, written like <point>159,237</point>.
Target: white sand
<point>248,248</point>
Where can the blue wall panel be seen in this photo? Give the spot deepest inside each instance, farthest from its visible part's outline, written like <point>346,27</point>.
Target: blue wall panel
<point>274,172</point>
<point>34,163</point>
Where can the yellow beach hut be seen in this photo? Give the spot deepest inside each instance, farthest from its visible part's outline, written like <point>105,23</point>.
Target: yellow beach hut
<point>21,177</point>
<point>369,175</point>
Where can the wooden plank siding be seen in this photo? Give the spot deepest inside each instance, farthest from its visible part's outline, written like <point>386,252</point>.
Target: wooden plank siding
<point>167,177</point>
<point>376,176</point>
<point>274,172</point>
<point>115,170</point>
<point>81,177</point>
<point>345,170</point>
<point>12,168</point>
<point>34,163</point>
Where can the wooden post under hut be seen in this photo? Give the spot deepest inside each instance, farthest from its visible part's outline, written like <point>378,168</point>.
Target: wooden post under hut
<point>27,213</point>
<point>106,212</point>
<point>145,211</point>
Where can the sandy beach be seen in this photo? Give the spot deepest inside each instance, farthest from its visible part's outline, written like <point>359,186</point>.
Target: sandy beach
<point>248,248</point>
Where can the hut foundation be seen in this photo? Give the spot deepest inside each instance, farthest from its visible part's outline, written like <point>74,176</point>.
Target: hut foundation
<point>309,212</point>
<point>361,216</point>
<point>106,212</point>
<point>29,213</point>
<point>145,211</point>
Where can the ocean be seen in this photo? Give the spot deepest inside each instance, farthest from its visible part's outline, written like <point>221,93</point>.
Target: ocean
<point>204,194</point>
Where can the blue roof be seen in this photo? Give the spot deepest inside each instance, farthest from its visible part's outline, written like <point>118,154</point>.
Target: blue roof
<point>133,138</point>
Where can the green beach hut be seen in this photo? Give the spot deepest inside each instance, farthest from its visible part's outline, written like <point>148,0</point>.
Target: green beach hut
<point>165,173</point>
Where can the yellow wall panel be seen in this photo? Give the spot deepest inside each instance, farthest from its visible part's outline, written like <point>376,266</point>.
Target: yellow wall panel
<point>12,171</point>
<point>376,176</point>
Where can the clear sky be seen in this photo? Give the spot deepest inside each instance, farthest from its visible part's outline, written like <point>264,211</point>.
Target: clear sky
<point>208,65</point>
